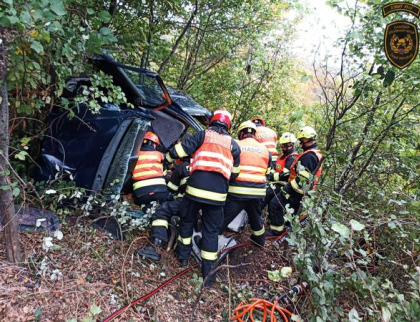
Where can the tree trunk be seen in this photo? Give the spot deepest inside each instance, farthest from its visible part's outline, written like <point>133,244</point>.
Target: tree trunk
<point>7,210</point>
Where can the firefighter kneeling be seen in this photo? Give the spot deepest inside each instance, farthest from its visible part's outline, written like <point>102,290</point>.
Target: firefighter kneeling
<point>248,189</point>
<point>215,158</point>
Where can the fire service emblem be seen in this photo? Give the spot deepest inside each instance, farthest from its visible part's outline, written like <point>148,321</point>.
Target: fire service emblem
<point>401,43</point>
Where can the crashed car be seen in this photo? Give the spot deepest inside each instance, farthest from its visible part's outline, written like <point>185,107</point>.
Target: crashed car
<point>99,151</point>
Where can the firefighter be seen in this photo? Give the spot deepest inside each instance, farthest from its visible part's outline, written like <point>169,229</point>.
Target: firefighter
<point>148,175</point>
<point>165,213</point>
<point>268,137</point>
<point>214,160</point>
<point>300,179</point>
<point>248,189</point>
<point>282,171</point>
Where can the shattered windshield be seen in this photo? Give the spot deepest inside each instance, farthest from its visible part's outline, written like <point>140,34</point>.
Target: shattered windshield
<point>148,87</point>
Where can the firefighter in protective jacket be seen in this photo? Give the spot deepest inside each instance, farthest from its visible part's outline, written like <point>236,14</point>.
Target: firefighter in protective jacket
<point>282,171</point>
<point>214,161</point>
<point>302,178</point>
<point>268,137</point>
<point>148,175</point>
<point>248,189</point>
<point>164,215</point>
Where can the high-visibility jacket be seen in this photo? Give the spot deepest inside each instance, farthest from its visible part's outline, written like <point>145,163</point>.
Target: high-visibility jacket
<point>282,170</point>
<point>296,176</point>
<point>207,182</point>
<point>268,137</point>
<point>148,170</point>
<point>214,154</point>
<point>253,166</point>
<point>282,159</point>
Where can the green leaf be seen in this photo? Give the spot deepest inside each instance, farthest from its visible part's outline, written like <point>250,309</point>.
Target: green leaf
<point>386,314</point>
<point>389,78</point>
<point>21,155</point>
<point>25,17</point>
<point>354,315</point>
<point>341,229</point>
<point>274,275</point>
<point>37,47</point>
<point>15,191</point>
<point>5,22</point>
<point>355,225</point>
<point>10,2</point>
<point>90,11</point>
<point>105,31</point>
<point>43,3</point>
<point>46,35</point>
<point>95,310</point>
<point>104,16</point>
<point>88,319</point>
<point>38,313</point>
<point>38,14</point>
<point>58,8</point>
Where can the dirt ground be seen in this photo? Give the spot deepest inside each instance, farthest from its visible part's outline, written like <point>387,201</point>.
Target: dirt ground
<point>96,275</point>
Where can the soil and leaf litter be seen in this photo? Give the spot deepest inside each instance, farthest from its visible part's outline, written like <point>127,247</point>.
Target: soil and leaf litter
<point>87,275</point>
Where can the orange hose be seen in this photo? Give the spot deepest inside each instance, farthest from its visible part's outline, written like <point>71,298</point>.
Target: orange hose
<point>267,308</point>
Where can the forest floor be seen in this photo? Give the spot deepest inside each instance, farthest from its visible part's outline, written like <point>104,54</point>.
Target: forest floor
<point>88,275</point>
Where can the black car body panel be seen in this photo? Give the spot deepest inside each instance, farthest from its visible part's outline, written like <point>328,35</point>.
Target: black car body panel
<point>99,150</point>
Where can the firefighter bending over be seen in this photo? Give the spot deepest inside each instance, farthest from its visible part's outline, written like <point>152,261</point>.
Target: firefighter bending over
<point>248,189</point>
<point>300,177</point>
<point>268,137</point>
<point>215,160</point>
<point>148,175</point>
<point>167,213</point>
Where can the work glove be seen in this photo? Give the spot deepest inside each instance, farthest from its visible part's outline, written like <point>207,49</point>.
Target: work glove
<point>286,191</point>
<point>285,194</point>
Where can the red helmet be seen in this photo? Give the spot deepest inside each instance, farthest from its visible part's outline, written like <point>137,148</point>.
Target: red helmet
<point>222,116</point>
<point>152,137</point>
<point>258,120</point>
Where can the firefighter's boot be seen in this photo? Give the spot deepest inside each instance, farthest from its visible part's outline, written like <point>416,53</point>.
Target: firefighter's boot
<point>150,250</point>
<point>258,240</point>
<point>208,274</point>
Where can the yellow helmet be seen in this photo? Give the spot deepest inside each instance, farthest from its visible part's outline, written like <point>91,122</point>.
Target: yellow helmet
<point>307,132</point>
<point>250,126</point>
<point>287,137</point>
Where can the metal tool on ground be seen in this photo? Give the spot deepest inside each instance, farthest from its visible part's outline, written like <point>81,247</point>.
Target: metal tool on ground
<point>296,289</point>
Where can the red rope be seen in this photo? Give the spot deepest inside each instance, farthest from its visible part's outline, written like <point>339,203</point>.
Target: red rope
<point>125,308</point>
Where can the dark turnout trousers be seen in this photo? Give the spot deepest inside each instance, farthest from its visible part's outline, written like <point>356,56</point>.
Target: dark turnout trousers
<point>253,208</point>
<point>212,219</point>
<point>161,218</point>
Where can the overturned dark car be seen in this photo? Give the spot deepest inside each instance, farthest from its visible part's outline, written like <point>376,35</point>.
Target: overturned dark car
<point>99,151</point>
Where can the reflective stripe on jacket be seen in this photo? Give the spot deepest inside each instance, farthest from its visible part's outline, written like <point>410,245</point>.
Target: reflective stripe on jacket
<point>282,170</point>
<point>304,174</point>
<point>253,166</point>
<point>214,154</point>
<point>148,170</point>
<point>282,159</point>
<point>268,137</point>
